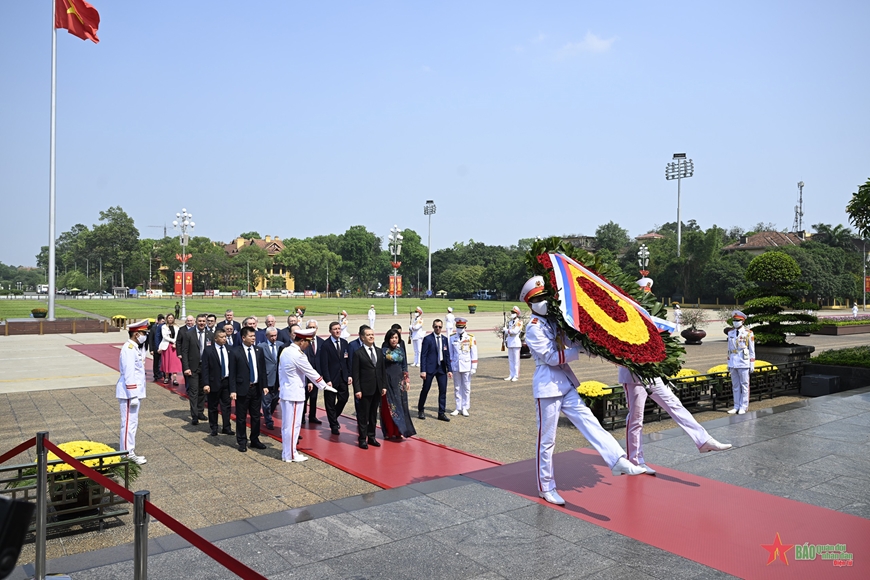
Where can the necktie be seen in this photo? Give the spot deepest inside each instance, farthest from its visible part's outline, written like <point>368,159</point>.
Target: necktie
<point>201,342</point>
<point>314,346</point>
<point>372,354</point>
<point>337,346</point>
<point>223,363</point>
<point>251,366</point>
<point>272,346</point>
<point>438,342</point>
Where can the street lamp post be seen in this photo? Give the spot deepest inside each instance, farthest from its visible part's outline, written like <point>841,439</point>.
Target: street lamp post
<point>679,169</point>
<point>643,261</point>
<point>183,222</point>
<point>395,245</point>
<point>429,210</point>
<point>864,280</point>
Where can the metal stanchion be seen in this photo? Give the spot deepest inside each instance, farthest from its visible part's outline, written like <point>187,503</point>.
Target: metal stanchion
<point>41,503</point>
<point>140,538</point>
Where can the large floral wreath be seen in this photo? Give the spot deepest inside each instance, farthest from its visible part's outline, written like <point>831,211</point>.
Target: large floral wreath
<point>605,310</point>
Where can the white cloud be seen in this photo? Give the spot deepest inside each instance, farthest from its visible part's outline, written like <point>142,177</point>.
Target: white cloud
<point>591,43</point>
<point>541,37</point>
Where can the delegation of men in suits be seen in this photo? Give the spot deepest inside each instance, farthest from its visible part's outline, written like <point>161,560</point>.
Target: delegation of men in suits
<point>335,368</point>
<point>193,342</point>
<point>247,387</point>
<point>313,354</point>
<point>369,382</point>
<point>271,347</point>
<point>435,364</point>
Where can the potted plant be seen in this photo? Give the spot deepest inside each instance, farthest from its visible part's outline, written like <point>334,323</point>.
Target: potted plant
<point>472,308</point>
<point>693,318</point>
<point>39,312</point>
<point>594,394</point>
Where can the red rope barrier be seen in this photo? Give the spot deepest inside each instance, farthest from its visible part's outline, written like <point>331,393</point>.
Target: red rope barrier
<point>209,549</point>
<point>13,452</point>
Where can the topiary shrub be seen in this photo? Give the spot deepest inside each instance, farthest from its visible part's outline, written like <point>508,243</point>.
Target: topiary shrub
<point>774,298</point>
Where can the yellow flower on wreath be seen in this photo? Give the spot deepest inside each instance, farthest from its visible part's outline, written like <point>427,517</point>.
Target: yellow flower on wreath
<point>81,449</point>
<point>591,389</point>
<point>760,366</point>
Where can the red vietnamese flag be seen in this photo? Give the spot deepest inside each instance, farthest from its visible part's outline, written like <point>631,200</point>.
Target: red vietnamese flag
<point>78,17</point>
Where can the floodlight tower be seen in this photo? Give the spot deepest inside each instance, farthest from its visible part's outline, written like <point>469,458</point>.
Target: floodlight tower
<point>429,210</point>
<point>679,169</point>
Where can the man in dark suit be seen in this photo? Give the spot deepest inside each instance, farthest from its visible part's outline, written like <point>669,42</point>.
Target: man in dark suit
<point>369,384</point>
<point>247,387</point>
<point>435,364</point>
<point>313,354</point>
<point>336,371</point>
<point>189,323</point>
<point>155,336</point>
<point>216,368</point>
<point>195,341</point>
<point>354,345</point>
<point>284,333</point>
<point>230,319</point>
<point>271,347</point>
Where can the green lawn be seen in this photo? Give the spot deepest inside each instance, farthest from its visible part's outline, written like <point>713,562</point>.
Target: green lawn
<point>314,307</point>
<point>22,308</point>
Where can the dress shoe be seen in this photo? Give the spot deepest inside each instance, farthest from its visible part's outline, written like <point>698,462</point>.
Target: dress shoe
<point>175,383</point>
<point>732,411</point>
<point>243,448</point>
<point>741,412</point>
<point>363,445</point>
<point>315,421</point>
<point>420,415</point>
<point>257,445</point>
<point>228,431</point>
<point>713,445</point>
<point>270,426</point>
<point>552,497</point>
<point>213,432</point>
<point>202,417</point>
<point>647,469</point>
<point>455,412</point>
<point>299,458</point>
<point>443,417</point>
<point>335,431</point>
<point>194,421</point>
<point>465,412</point>
<point>374,443</point>
<point>625,467</point>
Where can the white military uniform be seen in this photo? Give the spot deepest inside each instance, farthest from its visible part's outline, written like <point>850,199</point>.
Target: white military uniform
<point>463,362</point>
<point>678,318</point>
<point>342,320</point>
<point>635,395</point>
<point>129,390</point>
<point>514,344</point>
<point>554,387</point>
<point>417,336</point>
<point>741,361</point>
<point>372,316</point>
<point>293,369</point>
<point>449,324</point>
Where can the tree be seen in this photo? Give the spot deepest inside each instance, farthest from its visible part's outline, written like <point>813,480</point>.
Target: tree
<point>838,236</point>
<point>611,237</point>
<point>774,297</point>
<point>360,252</point>
<point>462,279</point>
<point>858,209</point>
<point>251,236</point>
<point>254,259</point>
<point>308,260</point>
<point>115,240</point>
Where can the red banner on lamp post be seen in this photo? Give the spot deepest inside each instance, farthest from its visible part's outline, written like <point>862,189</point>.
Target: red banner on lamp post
<point>188,283</point>
<point>395,286</point>
<point>866,283</point>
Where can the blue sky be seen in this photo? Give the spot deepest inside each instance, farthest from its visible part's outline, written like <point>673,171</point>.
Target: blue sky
<point>519,119</point>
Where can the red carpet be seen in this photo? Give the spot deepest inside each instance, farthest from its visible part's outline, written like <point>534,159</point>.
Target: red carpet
<point>395,464</point>
<point>720,525</point>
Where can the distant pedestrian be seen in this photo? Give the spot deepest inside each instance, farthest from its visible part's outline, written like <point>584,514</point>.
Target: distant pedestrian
<point>678,317</point>
<point>177,310</point>
<point>854,310</point>
<point>372,316</point>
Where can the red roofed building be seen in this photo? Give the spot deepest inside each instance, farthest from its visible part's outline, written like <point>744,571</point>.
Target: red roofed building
<point>272,246</point>
<point>757,244</point>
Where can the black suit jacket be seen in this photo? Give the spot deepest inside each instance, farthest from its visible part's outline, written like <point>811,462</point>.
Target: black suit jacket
<point>284,335</point>
<point>335,365</point>
<point>236,325</point>
<point>210,366</point>
<point>368,378</point>
<point>190,358</point>
<point>180,338</point>
<point>240,380</point>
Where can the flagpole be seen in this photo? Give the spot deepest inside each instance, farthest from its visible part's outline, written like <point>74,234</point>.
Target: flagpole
<point>52,282</point>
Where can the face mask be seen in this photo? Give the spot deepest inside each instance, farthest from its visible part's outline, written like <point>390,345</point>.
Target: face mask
<point>737,323</point>
<point>513,315</point>
<point>141,339</point>
<point>539,307</point>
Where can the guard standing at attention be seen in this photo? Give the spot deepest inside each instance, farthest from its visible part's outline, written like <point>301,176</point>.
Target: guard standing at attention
<point>463,359</point>
<point>513,342</point>
<point>130,388</point>
<point>741,361</point>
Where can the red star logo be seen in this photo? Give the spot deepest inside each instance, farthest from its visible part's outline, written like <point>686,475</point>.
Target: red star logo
<point>777,550</point>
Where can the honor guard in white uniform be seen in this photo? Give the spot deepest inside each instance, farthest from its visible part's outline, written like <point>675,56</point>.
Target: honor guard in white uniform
<point>417,335</point>
<point>554,387</point>
<point>678,317</point>
<point>342,320</point>
<point>372,316</point>
<point>463,360</point>
<point>635,394</point>
<point>294,373</point>
<point>449,322</point>
<point>741,361</point>
<point>513,342</point>
<point>130,388</point>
